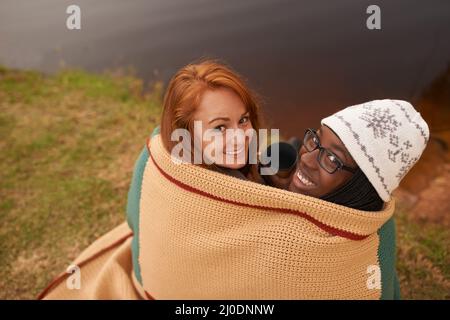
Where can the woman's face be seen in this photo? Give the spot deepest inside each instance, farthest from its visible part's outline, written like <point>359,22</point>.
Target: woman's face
<point>310,178</point>
<point>222,109</point>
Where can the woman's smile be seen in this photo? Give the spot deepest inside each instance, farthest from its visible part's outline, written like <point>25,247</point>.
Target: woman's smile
<point>302,180</point>
<point>236,151</point>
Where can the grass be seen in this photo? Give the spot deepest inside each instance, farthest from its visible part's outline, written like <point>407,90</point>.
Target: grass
<point>423,258</point>
<point>68,145</point>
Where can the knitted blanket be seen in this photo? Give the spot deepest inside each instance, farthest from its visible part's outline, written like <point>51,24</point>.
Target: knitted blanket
<point>199,234</point>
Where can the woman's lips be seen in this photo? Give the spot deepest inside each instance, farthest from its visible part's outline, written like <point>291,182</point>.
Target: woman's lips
<point>302,181</point>
<point>235,152</point>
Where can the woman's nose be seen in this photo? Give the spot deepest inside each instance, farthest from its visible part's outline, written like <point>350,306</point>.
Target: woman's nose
<point>309,159</point>
<point>235,136</point>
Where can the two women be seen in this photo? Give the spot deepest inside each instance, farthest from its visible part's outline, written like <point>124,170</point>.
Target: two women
<point>197,232</point>
<point>356,158</point>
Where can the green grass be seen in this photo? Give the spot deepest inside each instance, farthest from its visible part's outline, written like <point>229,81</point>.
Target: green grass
<point>68,144</point>
<point>423,258</point>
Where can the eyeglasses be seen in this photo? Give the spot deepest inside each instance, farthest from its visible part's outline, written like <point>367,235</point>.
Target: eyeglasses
<point>327,159</point>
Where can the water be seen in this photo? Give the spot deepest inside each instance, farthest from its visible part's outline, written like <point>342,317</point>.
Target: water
<point>306,58</point>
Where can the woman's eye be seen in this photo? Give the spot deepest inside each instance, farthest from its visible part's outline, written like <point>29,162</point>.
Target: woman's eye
<point>243,120</point>
<point>333,159</point>
<point>220,128</point>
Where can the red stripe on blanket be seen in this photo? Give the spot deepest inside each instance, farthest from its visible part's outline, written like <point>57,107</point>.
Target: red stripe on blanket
<point>149,296</point>
<point>327,228</point>
<point>61,277</point>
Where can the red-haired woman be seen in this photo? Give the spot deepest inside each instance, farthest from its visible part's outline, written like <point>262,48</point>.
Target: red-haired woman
<point>218,99</point>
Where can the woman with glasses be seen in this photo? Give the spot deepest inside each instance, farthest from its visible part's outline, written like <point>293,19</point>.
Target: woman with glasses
<point>359,155</point>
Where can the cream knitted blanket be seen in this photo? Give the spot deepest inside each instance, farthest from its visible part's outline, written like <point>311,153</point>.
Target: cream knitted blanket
<point>205,235</point>
<point>199,234</point>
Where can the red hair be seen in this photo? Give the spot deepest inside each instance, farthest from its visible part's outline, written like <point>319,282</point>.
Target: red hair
<point>185,90</point>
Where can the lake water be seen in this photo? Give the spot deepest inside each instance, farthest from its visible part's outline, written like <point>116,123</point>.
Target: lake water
<point>306,58</point>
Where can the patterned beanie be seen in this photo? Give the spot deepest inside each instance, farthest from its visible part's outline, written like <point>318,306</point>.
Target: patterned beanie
<point>384,137</point>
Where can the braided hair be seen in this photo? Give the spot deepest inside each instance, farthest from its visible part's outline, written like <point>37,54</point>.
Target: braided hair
<point>357,193</point>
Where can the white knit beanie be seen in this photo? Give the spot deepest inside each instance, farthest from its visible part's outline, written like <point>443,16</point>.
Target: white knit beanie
<point>384,137</point>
